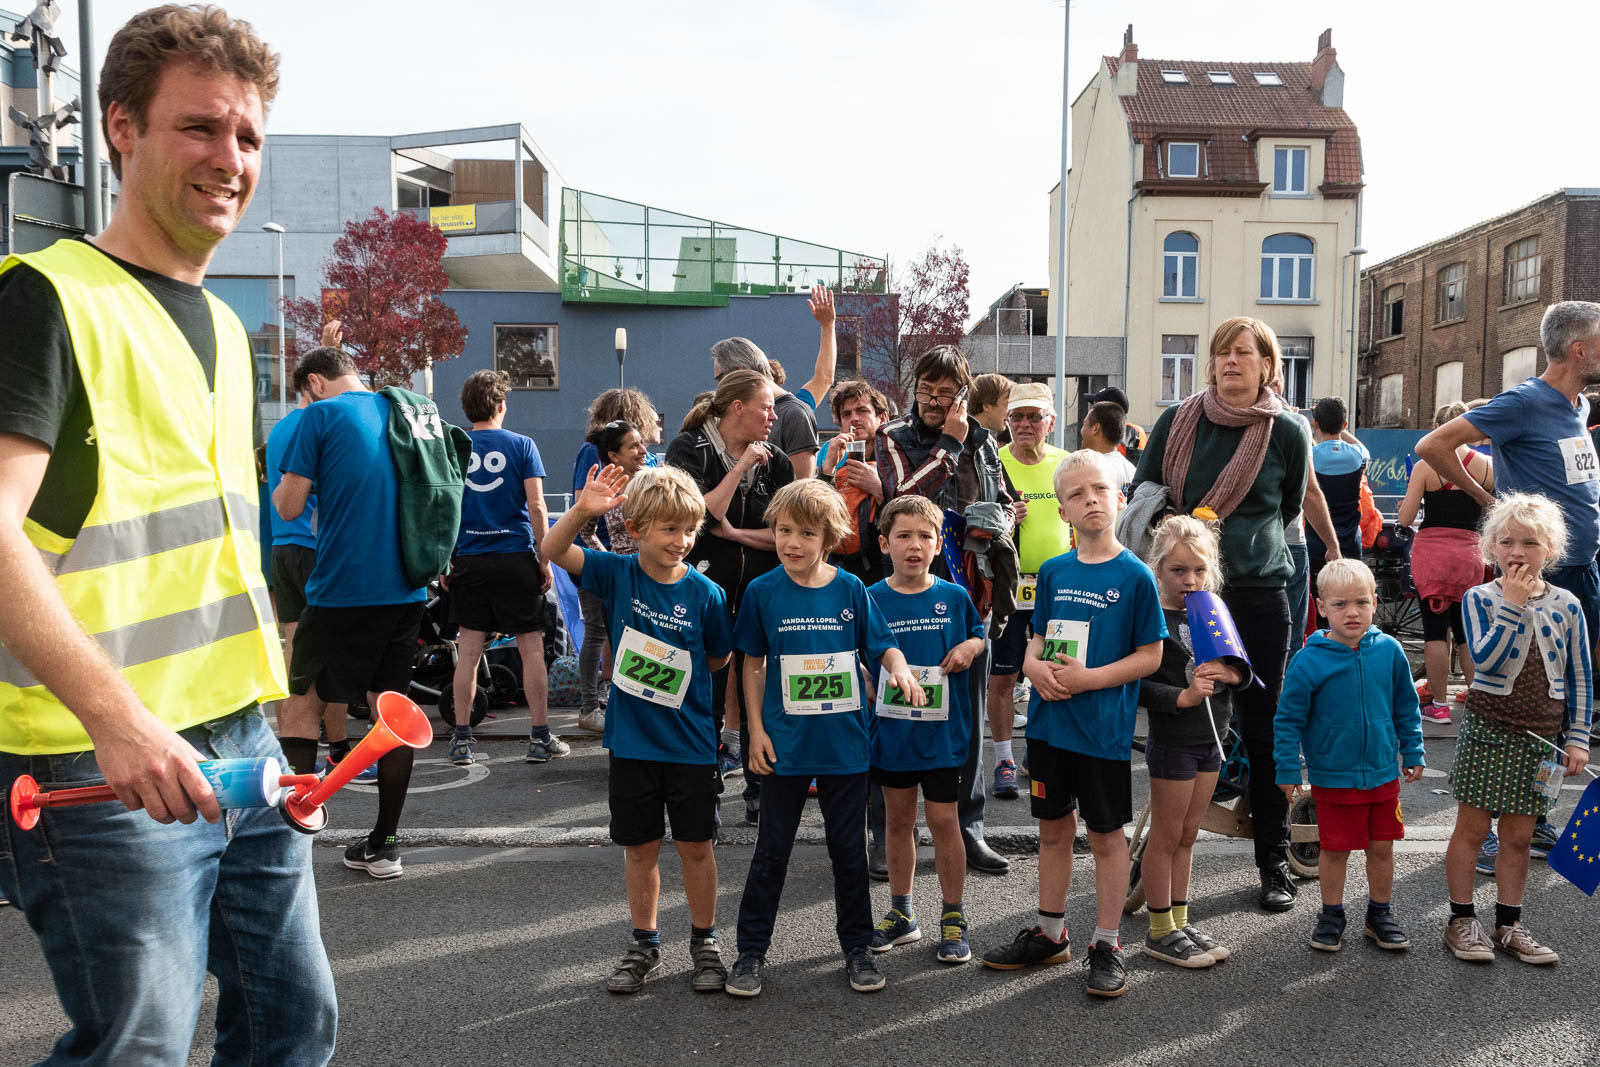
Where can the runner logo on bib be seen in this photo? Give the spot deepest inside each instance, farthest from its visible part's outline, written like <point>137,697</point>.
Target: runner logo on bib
<point>893,704</point>
<point>651,669</point>
<point>1066,637</point>
<point>820,684</point>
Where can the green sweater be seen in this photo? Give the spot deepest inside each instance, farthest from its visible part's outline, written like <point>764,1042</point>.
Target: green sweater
<point>1254,555</point>
<point>430,459</point>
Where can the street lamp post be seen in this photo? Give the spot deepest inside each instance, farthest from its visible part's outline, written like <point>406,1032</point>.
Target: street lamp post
<point>283,348</point>
<point>1354,255</point>
<point>622,351</point>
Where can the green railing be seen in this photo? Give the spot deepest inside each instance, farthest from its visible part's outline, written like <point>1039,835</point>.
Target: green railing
<point>619,252</point>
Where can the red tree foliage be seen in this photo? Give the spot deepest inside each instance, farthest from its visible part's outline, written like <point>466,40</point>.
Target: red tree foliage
<point>383,285</point>
<point>927,306</point>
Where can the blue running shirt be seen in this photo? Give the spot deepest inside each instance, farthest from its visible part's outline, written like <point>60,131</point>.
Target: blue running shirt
<point>926,626</point>
<point>494,509</point>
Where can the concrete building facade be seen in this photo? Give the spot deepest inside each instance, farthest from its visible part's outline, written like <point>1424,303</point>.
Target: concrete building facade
<point>1203,190</point>
<point>1458,318</point>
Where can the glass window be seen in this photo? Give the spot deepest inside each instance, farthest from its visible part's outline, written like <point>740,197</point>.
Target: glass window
<point>1177,366</point>
<point>1220,77</point>
<point>1174,77</point>
<point>1447,383</point>
<point>1286,267</point>
<point>848,345</point>
<point>1453,292</point>
<point>1267,77</point>
<point>409,194</point>
<point>1522,270</point>
<point>1517,366</point>
<point>527,354</point>
<point>1394,311</point>
<point>1391,399</point>
<point>1180,265</point>
<point>1183,159</point>
<point>1296,370</point>
<point>1289,170</point>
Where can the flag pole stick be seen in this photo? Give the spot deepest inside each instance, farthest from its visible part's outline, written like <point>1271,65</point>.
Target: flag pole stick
<point>1558,748</point>
<point>1212,720</point>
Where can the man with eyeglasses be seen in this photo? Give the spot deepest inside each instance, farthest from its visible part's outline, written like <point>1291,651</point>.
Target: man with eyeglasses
<point>1029,462</point>
<point>937,450</point>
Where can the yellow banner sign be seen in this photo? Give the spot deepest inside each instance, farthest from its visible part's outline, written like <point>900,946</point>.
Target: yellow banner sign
<point>456,219</point>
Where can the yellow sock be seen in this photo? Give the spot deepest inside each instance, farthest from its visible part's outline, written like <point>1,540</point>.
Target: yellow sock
<point>1180,914</point>
<point>1161,923</point>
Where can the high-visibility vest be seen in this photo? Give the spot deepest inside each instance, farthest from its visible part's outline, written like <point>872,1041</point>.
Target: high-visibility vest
<point>165,573</point>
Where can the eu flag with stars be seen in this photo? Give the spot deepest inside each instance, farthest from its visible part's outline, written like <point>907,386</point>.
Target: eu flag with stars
<point>1211,629</point>
<point>1576,857</point>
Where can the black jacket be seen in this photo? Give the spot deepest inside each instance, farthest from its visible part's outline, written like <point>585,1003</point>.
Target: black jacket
<point>731,565</point>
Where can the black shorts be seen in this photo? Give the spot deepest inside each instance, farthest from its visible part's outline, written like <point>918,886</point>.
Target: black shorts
<point>349,652</point>
<point>641,788</point>
<point>1439,625</point>
<point>1180,763</point>
<point>1063,781</point>
<point>291,570</point>
<point>498,593</point>
<point>940,785</point>
<point>1007,650</point>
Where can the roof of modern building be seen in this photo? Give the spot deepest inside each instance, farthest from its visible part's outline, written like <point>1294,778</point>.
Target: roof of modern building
<point>1232,114</point>
<point>1571,192</point>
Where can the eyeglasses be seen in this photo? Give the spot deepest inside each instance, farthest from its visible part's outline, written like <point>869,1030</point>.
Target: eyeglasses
<point>1026,416</point>
<point>940,400</point>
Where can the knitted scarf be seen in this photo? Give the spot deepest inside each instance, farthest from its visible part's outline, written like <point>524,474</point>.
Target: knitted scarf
<point>1239,475</point>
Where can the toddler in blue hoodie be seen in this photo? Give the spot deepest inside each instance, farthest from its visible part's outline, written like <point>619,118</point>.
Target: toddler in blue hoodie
<point>1348,702</point>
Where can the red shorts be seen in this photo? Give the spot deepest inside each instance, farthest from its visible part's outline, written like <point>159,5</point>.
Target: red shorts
<point>1348,820</point>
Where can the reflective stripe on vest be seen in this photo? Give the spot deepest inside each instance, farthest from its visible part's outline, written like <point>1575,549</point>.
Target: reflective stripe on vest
<point>165,572</point>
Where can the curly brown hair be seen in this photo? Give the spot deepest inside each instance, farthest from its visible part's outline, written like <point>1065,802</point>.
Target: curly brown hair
<point>483,392</point>
<point>201,34</point>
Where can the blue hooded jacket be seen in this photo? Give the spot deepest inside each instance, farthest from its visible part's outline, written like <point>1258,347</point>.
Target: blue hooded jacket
<point>1353,710</point>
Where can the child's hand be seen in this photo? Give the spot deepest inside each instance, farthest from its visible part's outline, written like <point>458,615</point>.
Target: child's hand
<point>1196,693</point>
<point>1289,791</point>
<point>602,490</point>
<point>960,658</point>
<point>761,755</point>
<point>1577,759</point>
<point>1072,674</point>
<point>1043,677</point>
<point>1412,774</point>
<point>1519,583</point>
<point>907,684</point>
<point>1220,672</point>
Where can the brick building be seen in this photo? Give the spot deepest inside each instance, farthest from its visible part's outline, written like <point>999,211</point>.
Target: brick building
<point>1459,318</point>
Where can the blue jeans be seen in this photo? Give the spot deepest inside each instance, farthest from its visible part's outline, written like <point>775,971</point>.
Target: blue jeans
<point>131,915</point>
<point>1299,591</point>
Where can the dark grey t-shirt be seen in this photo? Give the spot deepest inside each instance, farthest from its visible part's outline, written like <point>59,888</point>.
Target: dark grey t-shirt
<point>796,429</point>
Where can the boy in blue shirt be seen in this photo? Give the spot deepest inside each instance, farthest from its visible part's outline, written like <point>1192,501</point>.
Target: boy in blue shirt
<point>1349,701</point>
<point>1097,630</point>
<point>940,632</point>
<point>669,626</point>
<point>804,628</point>
<point>497,582</point>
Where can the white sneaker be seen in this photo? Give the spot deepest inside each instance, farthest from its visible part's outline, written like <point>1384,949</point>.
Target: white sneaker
<point>593,720</point>
<point>1019,721</point>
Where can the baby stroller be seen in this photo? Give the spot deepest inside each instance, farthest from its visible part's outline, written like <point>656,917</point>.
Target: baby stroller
<point>1232,820</point>
<point>1399,612</point>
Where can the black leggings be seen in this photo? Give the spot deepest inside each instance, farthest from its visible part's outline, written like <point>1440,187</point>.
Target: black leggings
<point>1262,618</point>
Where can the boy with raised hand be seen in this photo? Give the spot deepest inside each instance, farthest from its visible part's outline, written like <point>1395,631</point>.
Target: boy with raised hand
<point>1349,702</point>
<point>940,632</point>
<point>805,629</point>
<point>669,626</point>
<point>1097,630</point>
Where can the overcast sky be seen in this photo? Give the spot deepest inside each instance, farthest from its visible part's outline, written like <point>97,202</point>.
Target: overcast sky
<point>876,125</point>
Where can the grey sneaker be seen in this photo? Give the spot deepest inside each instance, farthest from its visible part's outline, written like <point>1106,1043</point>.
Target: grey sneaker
<point>593,720</point>
<point>461,751</point>
<point>1516,940</point>
<point>1207,944</point>
<point>640,964</point>
<point>545,751</point>
<point>709,973</point>
<point>745,978</point>
<point>862,971</point>
<point>382,862</point>
<point>1177,949</point>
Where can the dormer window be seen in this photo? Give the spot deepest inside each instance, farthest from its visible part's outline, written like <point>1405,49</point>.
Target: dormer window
<point>1174,77</point>
<point>1183,159</point>
<point>1267,77</point>
<point>1220,77</point>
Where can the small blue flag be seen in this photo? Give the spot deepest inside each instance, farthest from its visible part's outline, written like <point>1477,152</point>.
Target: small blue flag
<point>1211,629</point>
<point>1576,856</point>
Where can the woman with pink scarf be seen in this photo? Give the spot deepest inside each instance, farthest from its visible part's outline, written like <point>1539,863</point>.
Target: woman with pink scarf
<point>1445,562</point>
<point>1234,453</point>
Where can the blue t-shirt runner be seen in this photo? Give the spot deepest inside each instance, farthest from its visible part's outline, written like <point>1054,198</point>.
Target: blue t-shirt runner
<point>342,446</point>
<point>926,626</point>
<point>494,509</point>
<point>814,709</point>
<point>659,630</point>
<point>1097,613</point>
<point>1542,445</point>
<point>302,529</point>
